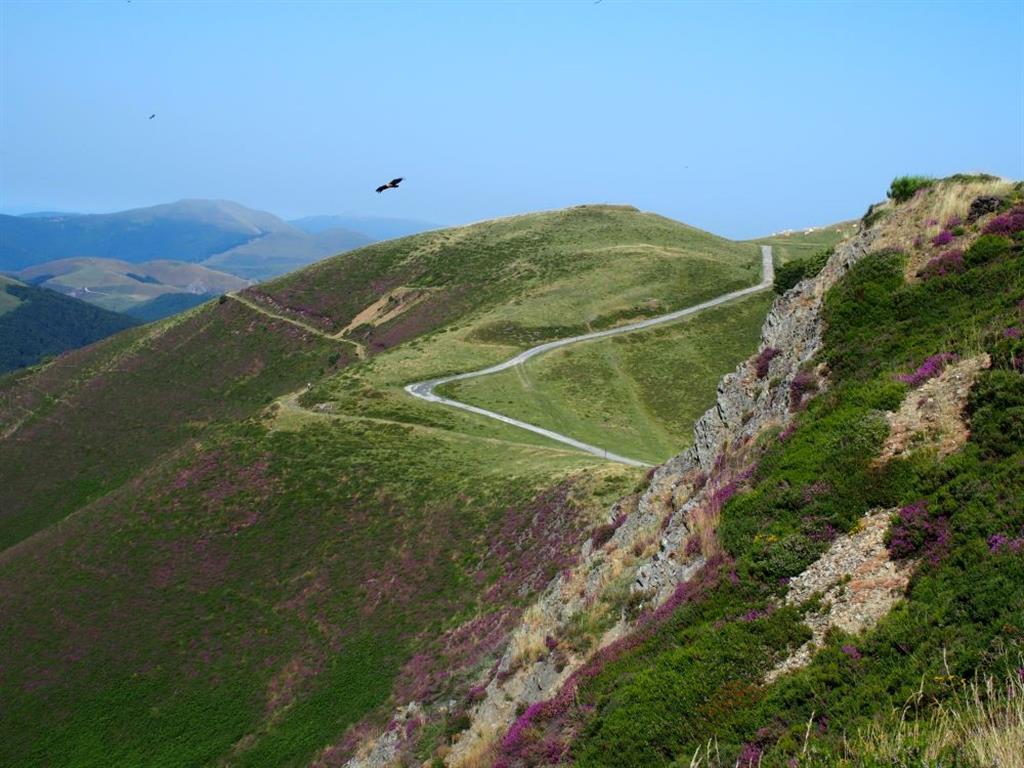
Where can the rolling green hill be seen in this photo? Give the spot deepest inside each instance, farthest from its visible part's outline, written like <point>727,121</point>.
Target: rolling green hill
<point>638,394</point>
<point>36,323</point>
<point>254,539</point>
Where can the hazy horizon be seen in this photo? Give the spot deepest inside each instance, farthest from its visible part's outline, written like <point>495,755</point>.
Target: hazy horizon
<point>739,119</point>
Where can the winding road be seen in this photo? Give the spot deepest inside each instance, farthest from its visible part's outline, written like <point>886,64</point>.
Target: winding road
<point>424,390</point>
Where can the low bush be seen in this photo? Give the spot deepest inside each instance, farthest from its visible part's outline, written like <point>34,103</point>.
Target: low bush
<point>792,272</point>
<point>985,249</point>
<point>904,187</point>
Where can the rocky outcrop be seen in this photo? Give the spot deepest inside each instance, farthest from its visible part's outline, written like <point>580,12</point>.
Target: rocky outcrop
<point>932,416</point>
<point>858,584</point>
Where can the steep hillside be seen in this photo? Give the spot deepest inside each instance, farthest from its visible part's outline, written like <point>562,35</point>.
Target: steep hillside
<point>832,574</point>
<point>230,540</point>
<point>36,323</point>
<point>123,286</point>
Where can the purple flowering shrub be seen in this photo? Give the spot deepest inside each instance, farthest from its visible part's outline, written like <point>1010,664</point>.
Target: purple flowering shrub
<point>948,263</point>
<point>1007,223</point>
<point>929,369</point>
<point>803,383</point>
<point>1000,543</point>
<point>603,533</point>
<point>916,532</point>
<point>945,237</point>
<point>764,359</point>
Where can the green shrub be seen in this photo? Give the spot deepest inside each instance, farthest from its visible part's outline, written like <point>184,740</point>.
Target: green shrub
<point>904,187</point>
<point>996,406</point>
<point>985,249</point>
<point>787,556</point>
<point>792,272</point>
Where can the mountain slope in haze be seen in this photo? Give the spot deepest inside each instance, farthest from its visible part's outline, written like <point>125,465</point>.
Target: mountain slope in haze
<point>123,286</point>
<point>187,230</point>
<point>264,542</point>
<point>36,323</point>
<point>280,252</point>
<point>374,227</point>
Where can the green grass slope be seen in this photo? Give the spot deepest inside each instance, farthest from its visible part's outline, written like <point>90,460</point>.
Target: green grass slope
<point>801,244</point>
<point>637,395</point>
<point>36,323</point>
<point>227,540</point>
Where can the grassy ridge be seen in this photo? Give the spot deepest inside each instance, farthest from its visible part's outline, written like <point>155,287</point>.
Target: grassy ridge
<point>636,395</point>
<point>245,578</point>
<point>255,566</point>
<point>514,281</point>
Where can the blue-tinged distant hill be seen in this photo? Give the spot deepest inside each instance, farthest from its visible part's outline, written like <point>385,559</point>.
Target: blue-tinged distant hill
<point>223,234</point>
<point>374,227</point>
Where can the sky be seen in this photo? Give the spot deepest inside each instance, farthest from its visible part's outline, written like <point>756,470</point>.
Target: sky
<point>739,118</point>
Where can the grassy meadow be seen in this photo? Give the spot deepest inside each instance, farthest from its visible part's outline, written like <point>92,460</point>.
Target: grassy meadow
<point>638,394</point>
<point>802,244</point>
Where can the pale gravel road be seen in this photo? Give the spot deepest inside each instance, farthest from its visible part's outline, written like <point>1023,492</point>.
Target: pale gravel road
<point>424,390</point>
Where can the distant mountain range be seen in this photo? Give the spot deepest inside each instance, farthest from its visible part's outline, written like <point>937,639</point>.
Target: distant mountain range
<point>377,228</point>
<point>134,261</point>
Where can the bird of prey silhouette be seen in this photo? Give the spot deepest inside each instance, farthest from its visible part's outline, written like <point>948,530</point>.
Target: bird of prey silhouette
<point>393,184</point>
<point>152,116</point>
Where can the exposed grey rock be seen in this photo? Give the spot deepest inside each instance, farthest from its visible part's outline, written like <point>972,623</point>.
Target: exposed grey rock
<point>982,206</point>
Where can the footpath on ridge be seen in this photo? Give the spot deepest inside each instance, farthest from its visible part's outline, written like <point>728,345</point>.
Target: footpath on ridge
<point>424,390</point>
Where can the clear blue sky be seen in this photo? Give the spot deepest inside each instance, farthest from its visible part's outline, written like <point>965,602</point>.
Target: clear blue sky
<point>738,118</point>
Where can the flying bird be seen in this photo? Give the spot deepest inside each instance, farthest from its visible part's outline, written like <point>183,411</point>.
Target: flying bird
<point>393,184</point>
<point>152,116</point>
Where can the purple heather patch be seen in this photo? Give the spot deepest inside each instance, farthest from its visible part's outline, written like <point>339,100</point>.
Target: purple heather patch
<point>948,263</point>
<point>945,237</point>
<point>953,222</point>
<point>1012,333</point>
<point>1007,223</point>
<point>852,651</point>
<point>764,360</point>
<point>802,383</point>
<point>929,369</point>
<point>1000,543</point>
<point>915,531</point>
